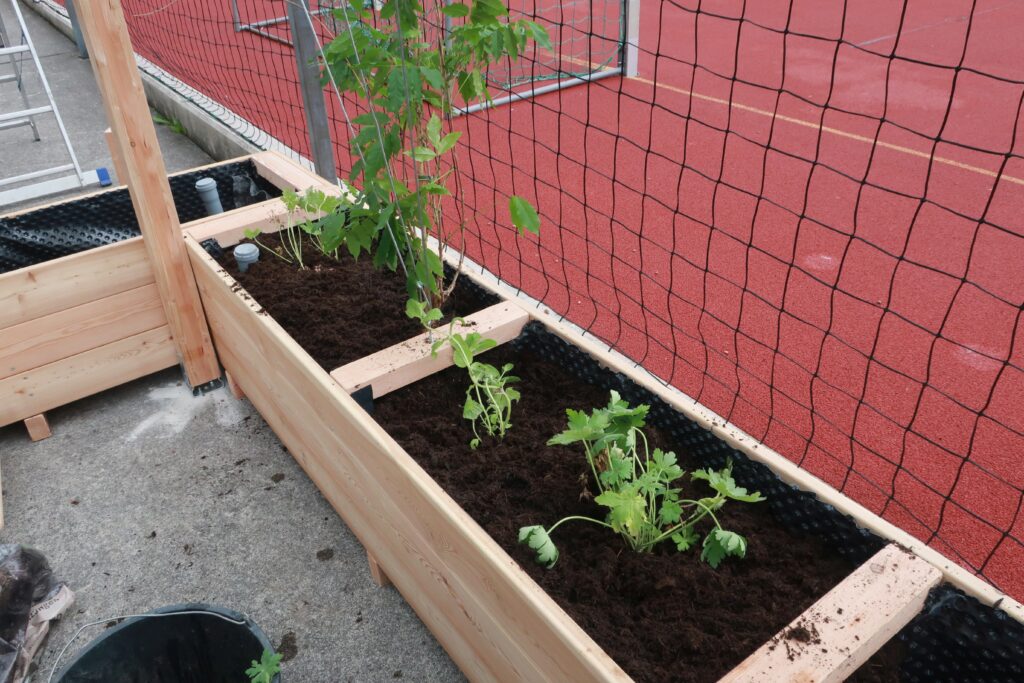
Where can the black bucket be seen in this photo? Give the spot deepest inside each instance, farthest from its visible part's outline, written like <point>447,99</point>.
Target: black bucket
<point>200,647</point>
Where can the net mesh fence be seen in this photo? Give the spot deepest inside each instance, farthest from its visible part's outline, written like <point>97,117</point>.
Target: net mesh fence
<point>809,216</point>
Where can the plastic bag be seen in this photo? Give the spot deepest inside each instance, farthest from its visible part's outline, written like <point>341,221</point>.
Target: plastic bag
<point>30,598</point>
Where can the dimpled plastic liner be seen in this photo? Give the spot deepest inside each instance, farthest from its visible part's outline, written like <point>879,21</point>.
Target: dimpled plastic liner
<point>108,217</point>
<point>954,639</point>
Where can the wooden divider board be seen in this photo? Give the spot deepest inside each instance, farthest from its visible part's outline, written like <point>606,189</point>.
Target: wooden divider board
<point>841,631</point>
<point>412,360</point>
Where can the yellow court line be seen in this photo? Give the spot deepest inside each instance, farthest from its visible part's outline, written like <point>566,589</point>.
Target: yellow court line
<point>818,126</point>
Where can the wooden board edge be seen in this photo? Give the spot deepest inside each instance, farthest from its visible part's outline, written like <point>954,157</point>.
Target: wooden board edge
<point>843,629</point>
<point>397,366</point>
<point>38,427</point>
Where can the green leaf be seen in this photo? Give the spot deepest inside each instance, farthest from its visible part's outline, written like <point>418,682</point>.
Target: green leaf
<point>627,511</point>
<point>447,142</point>
<point>422,154</point>
<point>472,410</point>
<point>537,539</point>
<point>524,216</point>
<point>264,670</point>
<point>669,513</point>
<point>252,233</point>
<point>434,130</point>
<point>455,10</point>
<point>684,538</point>
<point>722,482</point>
<point>720,544</point>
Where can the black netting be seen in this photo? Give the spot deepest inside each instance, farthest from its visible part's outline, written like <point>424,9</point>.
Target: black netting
<point>809,216</point>
<point>71,227</point>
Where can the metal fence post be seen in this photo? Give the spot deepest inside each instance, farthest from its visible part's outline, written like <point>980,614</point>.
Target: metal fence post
<point>306,52</point>
<point>76,30</point>
<point>631,37</point>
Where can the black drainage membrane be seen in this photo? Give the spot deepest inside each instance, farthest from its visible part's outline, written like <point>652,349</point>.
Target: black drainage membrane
<point>68,228</point>
<point>191,643</point>
<point>955,639</point>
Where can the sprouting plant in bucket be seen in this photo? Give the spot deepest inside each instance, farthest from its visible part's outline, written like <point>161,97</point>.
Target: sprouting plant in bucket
<point>312,215</point>
<point>490,396</point>
<point>264,670</point>
<point>411,76</point>
<point>640,491</point>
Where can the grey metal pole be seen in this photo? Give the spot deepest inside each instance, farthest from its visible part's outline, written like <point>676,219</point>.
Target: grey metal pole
<point>76,30</point>
<point>306,52</point>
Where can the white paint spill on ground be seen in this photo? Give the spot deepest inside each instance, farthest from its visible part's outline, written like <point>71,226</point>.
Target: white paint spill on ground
<point>175,407</point>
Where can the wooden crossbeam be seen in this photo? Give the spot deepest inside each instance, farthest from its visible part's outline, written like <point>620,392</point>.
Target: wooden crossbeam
<point>410,361</point>
<point>837,634</point>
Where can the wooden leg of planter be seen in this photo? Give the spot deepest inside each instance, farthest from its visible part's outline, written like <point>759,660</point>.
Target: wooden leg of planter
<point>376,572</point>
<point>115,155</point>
<point>236,390</point>
<point>412,360</point>
<point>38,428</point>
<point>837,634</point>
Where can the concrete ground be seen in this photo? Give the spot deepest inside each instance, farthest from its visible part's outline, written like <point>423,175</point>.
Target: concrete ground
<point>146,496</point>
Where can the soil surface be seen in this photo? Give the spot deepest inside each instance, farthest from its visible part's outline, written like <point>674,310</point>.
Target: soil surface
<point>338,310</point>
<point>663,616</point>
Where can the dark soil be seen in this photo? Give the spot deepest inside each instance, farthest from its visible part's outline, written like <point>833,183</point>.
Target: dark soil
<point>338,310</point>
<point>664,616</point>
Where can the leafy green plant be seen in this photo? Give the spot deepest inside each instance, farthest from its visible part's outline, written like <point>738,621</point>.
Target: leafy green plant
<point>313,216</point>
<point>640,489</point>
<point>412,77</point>
<point>172,123</point>
<point>264,670</point>
<point>489,398</point>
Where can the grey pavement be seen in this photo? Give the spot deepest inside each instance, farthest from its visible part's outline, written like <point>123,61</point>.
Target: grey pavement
<point>147,496</point>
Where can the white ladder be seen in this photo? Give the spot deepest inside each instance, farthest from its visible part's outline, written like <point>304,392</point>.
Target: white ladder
<point>77,178</point>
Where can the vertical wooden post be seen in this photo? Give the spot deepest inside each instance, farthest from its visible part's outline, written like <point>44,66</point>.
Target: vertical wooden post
<point>115,155</point>
<point>134,137</point>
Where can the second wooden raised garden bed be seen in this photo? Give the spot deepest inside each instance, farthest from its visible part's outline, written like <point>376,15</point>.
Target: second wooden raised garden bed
<point>495,621</point>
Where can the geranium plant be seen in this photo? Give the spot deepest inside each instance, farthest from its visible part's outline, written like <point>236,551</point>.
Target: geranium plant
<point>640,489</point>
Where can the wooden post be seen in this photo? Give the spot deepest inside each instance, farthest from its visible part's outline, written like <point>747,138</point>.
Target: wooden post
<point>115,155</point>
<point>134,137</point>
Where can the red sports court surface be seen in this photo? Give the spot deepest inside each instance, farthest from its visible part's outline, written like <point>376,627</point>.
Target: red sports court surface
<point>805,214</point>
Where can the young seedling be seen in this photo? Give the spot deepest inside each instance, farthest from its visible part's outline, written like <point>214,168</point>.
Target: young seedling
<point>489,398</point>
<point>312,215</point>
<point>264,670</point>
<point>638,487</point>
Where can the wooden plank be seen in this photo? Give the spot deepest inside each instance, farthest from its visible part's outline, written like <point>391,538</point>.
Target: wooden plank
<point>65,333</point>
<point>839,632</point>
<point>117,75</point>
<point>412,360</point>
<point>497,624</point>
<point>286,173</point>
<point>84,374</point>
<point>229,227</point>
<point>115,155</point>
<point>38,428</point>
<point>32,292</point>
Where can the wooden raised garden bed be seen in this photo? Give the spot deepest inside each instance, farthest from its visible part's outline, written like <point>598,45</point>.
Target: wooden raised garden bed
<point>84,322</point>
<point>495,621</point>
